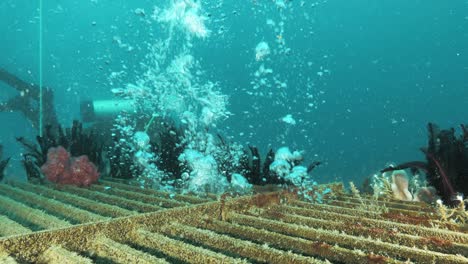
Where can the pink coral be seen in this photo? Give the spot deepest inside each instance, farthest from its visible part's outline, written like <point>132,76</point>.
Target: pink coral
<point>64,169</point>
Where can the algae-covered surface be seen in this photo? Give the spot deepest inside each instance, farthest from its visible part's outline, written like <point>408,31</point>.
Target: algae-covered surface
<point>116,224</point>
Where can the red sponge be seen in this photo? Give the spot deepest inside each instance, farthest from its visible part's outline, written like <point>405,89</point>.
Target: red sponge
<point>64,169</point>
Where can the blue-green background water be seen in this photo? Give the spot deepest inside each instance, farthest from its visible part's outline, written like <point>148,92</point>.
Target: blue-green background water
<point>389,68</point>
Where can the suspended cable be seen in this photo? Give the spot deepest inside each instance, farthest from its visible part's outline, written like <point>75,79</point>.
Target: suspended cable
<point>40,71</point>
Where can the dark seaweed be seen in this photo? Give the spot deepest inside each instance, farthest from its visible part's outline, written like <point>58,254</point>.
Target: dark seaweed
<point>446,164</point>
<point>166,143</point>
<point>168,146</point>
<point>258,172</point>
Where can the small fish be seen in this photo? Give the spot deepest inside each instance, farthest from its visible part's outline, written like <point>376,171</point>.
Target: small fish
<point>313,165</point>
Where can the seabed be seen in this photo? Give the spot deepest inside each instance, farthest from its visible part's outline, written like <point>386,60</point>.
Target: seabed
<point>118,223</point>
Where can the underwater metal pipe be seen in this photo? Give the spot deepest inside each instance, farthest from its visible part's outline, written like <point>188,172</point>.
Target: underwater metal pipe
<point>98,109</point>
<point>27,102</point>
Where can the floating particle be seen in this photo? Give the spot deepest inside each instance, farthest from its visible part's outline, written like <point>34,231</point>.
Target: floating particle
<point>288,119</point>
<point>140,12</point>
<point>261,51</point>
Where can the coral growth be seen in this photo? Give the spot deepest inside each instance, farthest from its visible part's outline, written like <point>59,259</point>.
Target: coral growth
<point>64,169</point>
<point>372,205</point>
<point>446,165</point>
<point>400,185</point>
<point>457,214</point>
<point>76,140</point>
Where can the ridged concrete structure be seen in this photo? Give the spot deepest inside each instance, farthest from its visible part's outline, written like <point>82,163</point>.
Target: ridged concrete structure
<point>117,223</point>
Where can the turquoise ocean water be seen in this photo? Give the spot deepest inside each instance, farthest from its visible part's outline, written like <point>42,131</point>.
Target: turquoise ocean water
<point>360,79</point>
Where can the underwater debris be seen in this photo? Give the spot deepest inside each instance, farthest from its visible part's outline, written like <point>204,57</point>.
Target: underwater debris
<point>26,101</point>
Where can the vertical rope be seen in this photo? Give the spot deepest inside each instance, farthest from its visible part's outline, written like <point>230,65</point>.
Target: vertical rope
<point>40,69</point>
